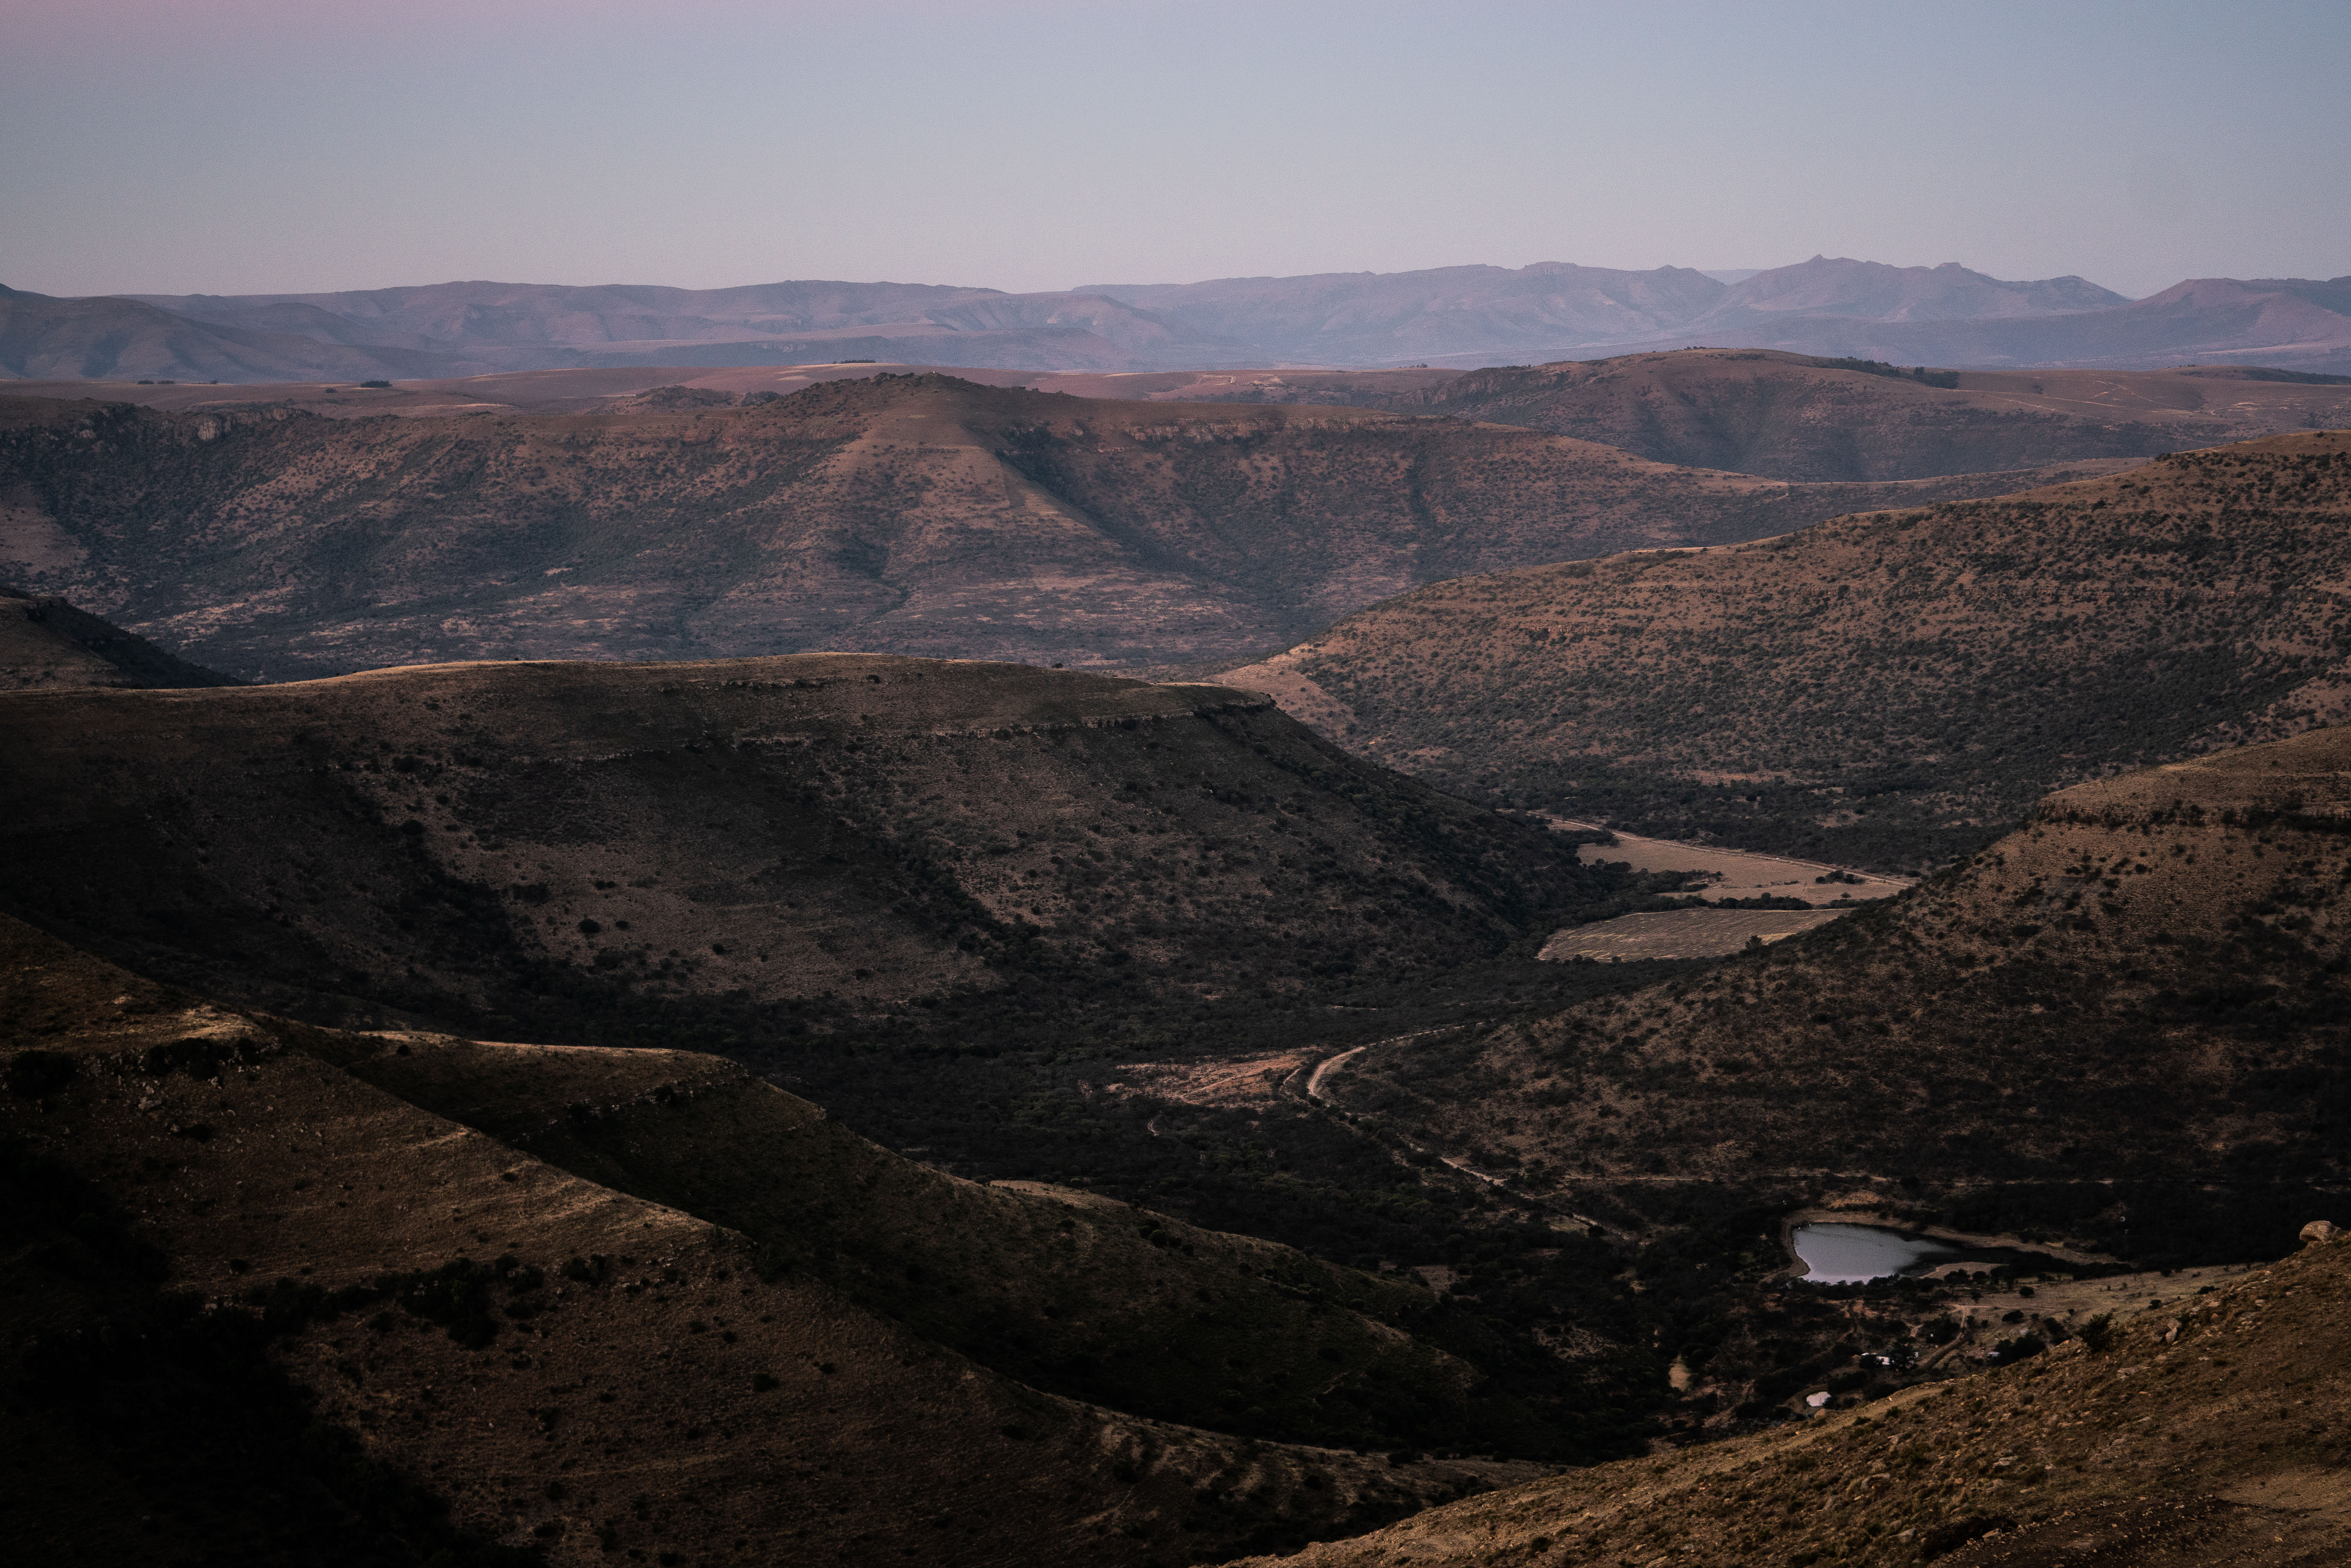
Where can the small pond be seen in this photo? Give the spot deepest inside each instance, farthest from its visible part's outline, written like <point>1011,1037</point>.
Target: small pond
<point>1854,1254</point>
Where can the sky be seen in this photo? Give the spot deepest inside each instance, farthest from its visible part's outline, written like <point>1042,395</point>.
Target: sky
<point>257,146</point>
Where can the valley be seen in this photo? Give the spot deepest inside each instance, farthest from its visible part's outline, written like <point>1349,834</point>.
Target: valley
<point>842,1106</point>
<point>702,866</point>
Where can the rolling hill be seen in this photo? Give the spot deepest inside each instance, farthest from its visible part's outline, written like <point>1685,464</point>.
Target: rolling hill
<point>1788,416</point>
<point>918,515</point>
<point>257,1300</point>
<point>1891,689</point>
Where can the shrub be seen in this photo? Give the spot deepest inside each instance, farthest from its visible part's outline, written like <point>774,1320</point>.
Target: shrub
<point>2098,1335</point>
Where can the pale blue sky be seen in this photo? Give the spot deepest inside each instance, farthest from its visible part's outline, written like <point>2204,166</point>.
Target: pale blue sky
<point>220,146</point>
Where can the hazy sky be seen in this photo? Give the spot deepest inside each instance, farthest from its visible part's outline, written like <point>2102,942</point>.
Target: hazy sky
<point>312,144</point>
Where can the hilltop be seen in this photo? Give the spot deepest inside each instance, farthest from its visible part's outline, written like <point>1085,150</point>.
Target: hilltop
<point>1790,416</point>
<point>2211,1434</point>
<point>1889,689</point>
<point>262,1294</point>
<point>918,515</point>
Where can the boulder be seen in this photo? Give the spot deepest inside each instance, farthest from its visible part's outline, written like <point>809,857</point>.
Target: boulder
<point>2319,1230</point>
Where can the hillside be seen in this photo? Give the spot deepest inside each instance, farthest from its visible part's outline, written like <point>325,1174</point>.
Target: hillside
<point>2211,1434</point>
<point>1890,690</point>
<point>785,855</point>
<point>255,1301</point>
<point>45,642</point>
<point>1787,416</point>
<point>918,515</point>
<point>2124,1027</point>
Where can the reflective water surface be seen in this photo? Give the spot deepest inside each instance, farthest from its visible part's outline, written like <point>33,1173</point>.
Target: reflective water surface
<point>1850,1254</point>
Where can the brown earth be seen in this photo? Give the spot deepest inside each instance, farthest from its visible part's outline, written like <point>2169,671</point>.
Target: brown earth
<point>2213,1433</point>
<point>918,515</point>
<point>260,1296</point>
<point>1793,417</point>
<point>1887,690</point>
<point>2122,1028</point>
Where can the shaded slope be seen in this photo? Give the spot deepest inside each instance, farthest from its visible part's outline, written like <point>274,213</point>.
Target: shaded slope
<point>45,642</point>
<point>2211,1434</point>
<point>1888,689</point>
<point>1788,416</point>
<point>917,514</point>
<point>797,841</point>
<point>2125,1026</point>
<point>623,1376</point>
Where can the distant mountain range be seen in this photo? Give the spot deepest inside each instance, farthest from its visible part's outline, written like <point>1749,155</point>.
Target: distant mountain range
<point>1462,316</point>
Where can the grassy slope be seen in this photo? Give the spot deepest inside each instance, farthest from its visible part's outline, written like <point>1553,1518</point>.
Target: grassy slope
<point>668,1393</point>
<point>2126,1024</point>
<point>1890,689</point>
<point>2214,1434</point>
<point>907,514</point>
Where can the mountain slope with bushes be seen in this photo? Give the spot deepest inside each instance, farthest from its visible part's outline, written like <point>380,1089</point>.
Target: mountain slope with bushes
<point>1892,689</point>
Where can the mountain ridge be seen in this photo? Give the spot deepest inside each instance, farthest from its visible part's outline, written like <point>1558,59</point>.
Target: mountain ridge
<point>1468,316</point>
<point>921,515</point>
